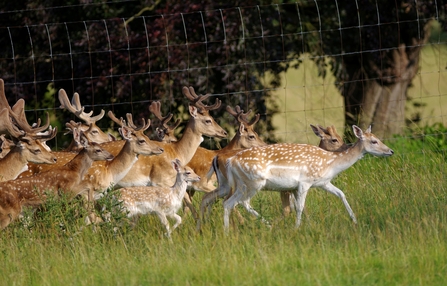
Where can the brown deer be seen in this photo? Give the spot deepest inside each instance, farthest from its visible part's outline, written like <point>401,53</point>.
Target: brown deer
<point>329,141</point>
<point>32,191</point>
<point>156,170</point>
<point>103,175</point>
<point>161,201</point>
<point>245,137</point>
<point>90,129</point>
<point>295,168</point>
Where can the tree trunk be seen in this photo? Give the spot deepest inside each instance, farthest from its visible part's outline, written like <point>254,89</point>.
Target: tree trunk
<point>381,101</point>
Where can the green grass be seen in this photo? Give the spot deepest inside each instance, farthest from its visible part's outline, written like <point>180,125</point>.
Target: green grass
<point>400,239</point>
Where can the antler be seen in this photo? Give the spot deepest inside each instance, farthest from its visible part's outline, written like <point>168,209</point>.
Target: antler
<point>132,125</point>
<point>196,100</point>
<point>155,108</point>
<point>241,117</point>
<point>77,109</point>
<point>121,122</point>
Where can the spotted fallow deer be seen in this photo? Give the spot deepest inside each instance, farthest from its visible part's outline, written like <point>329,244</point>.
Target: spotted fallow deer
<point>295,168</point>
<point>90,129</point>
<point>161,201</point>
<point>104,174</point>
<point>156,170</point>
<point>244,138</point>
<point>32,191</point>
<point>330,140</point>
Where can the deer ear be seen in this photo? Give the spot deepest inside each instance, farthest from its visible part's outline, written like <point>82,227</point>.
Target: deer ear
<point>316,130</point>
<point>76,135</point>
<point>125,132</point>
<point>176,165</point>
<point>357,131</point>
<point>368,130</point>
<point>111,137</point>
<point>193,111</point>
<point>242,128</point>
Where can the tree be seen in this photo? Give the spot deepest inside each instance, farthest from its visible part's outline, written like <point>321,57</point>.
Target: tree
<point>124,56</point>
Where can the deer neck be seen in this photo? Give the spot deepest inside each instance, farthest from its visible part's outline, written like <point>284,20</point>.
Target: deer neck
<point>179,188</point>
<point>347,158</point>
<point>80,163</point>
<point>123,162</point>
<point>188,144</point>
<point>234,143</point>
<point>14,163</point>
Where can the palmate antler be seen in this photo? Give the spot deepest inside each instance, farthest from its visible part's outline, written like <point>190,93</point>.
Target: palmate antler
<point>130,124</point>
<point>19,124</point>
<point>241,117</point>
<point>77,109</point>
<point>196,100</point>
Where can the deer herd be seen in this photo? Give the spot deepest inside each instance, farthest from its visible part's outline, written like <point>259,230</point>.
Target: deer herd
<point>157,176</point>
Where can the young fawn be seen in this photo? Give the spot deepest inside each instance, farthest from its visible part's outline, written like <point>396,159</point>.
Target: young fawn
<point>161,201</point>
<point>295,168</point>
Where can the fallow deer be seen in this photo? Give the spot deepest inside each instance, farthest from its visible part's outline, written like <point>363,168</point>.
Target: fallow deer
<point>156,170</point>
<point>161,201</point>
<point>90,129</point>
<point>103,175</point>
<point>32,191</point>
<point>296,168</point>
<point>245,137</point>
<point>329,141</point>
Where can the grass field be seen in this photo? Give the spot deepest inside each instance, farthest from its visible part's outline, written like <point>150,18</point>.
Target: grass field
<point>400,239</point>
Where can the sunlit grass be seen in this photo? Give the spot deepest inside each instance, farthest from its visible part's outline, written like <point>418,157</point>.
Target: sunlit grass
<point>400,203</point>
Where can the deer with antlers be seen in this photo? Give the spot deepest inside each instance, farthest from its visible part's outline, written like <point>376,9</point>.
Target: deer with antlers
<point>90,129</point>
<point>245,137</point>
<point>295,168</point>
<point>156,170</point>
<point>161,201</point>
<point>32,191</point>
<point>103,175</point>
<point>28,141</point>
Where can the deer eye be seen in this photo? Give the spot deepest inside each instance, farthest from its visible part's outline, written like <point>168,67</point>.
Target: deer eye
<point>37,151</point>
<point>374,142</point>
<point>334,140</point>
<point>251,137</point>
<point>95,132</point>
<point>208,121</point>
<point>141,142</point>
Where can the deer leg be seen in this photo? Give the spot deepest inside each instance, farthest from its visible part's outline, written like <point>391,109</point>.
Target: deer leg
<point>285,200</point>
<point>165,223</point>
<point>299,201</point>
<point>339,193</point>
<point>178,221</point>
<point>188,202</point>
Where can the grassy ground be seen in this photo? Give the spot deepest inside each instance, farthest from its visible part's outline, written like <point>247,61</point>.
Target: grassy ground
<point>400,203</point>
